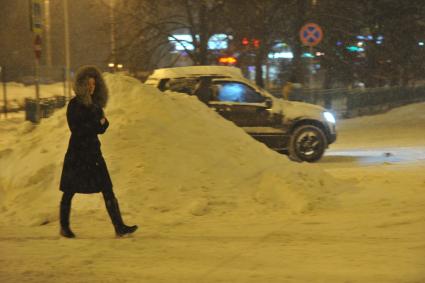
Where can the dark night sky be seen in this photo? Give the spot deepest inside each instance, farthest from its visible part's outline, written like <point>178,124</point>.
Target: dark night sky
<point>89,36</point>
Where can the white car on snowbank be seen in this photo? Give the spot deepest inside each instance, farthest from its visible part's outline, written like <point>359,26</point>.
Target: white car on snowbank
<point>302,130</point>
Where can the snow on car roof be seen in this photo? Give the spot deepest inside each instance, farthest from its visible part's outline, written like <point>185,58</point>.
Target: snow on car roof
<point>178,72</point>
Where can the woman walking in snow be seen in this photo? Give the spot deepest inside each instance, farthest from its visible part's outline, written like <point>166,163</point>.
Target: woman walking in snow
<point>84,169</point>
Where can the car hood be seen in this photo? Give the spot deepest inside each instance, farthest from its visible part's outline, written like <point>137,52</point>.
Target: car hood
<point>293,110</point>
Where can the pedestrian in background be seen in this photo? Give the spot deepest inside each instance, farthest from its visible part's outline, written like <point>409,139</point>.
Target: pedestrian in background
<point>288,87</point>
<point>203,90</point>
<point>84,169</point>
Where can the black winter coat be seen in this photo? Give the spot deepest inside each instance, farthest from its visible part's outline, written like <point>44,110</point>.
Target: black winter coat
<point>84,169</point>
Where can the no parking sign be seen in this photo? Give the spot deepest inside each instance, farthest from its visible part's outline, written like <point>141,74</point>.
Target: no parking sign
<point>311,34</point>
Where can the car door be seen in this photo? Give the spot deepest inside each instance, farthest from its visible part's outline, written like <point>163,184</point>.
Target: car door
<point>241,104</point>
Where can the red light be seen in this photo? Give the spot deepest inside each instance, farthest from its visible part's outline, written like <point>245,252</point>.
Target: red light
<point>256,42</point>
<point>245,41</point>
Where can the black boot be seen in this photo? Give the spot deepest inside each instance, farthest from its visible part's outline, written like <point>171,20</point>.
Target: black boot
<point>114,212</point>
<point>65,211</point>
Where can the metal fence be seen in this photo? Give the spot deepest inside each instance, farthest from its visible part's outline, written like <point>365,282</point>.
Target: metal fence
<point>16,91</point>
<point>349,103</point>
<point>47,107</point>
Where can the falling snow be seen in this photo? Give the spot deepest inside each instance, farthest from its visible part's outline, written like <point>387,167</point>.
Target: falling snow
<point>212,204</point>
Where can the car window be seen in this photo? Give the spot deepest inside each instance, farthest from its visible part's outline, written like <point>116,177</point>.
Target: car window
<point>236,92</point>
<point>183,85</point>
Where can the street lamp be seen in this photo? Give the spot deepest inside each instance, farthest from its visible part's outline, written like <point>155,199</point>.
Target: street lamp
<point>67,55</point>
<point>48,31</point>
<point>112,20</point>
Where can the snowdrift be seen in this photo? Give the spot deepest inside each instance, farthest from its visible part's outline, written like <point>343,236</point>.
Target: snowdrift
<point>170,157</point>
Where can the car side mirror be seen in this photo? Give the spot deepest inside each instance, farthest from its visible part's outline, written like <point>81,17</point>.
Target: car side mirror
<point>268,102</point>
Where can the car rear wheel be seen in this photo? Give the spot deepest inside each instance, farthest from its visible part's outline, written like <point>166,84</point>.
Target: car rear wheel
<point>308,143</point>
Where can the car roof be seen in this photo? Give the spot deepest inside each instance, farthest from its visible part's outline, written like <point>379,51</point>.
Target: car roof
<point>196,71</point>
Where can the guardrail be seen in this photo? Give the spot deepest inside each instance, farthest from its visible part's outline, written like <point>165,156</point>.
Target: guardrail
<point>349,103</point>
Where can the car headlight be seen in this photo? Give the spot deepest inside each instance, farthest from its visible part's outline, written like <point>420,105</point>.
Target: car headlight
<point>329,117</point>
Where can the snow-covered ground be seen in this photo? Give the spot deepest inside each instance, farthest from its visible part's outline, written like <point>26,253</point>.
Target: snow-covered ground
<point>212,204</point>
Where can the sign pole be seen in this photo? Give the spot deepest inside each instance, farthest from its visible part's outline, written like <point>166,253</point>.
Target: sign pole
<point>37,90</point>
<point>311,67</point>
<point>3,78</point>
<point>37,29</point>
<point>310,35</point>
<point>37,51</point>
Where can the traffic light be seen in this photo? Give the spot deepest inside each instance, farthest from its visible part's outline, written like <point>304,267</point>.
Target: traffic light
<point>253,42</point>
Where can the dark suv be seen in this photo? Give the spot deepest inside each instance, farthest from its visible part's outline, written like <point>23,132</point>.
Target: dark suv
<point>301,130</point>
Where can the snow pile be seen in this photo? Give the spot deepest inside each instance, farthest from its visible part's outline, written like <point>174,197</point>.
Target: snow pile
<point>170,157</point>
<point>393,128</point>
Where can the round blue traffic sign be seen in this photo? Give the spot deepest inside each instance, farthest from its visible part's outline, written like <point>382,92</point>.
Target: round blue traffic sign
<point>311,34</point>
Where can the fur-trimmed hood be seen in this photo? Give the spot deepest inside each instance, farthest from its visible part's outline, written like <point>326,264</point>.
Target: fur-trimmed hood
<point>100,95</point>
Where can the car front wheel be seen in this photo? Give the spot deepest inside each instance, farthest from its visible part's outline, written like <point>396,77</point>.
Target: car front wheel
<point>308,143</point>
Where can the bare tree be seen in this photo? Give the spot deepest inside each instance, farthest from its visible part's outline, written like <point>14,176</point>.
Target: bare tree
<point>266,21</point>
<point>146,28</point>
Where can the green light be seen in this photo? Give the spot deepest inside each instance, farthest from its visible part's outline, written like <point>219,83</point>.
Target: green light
<point>353,48</point>
<point>307,55</point>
